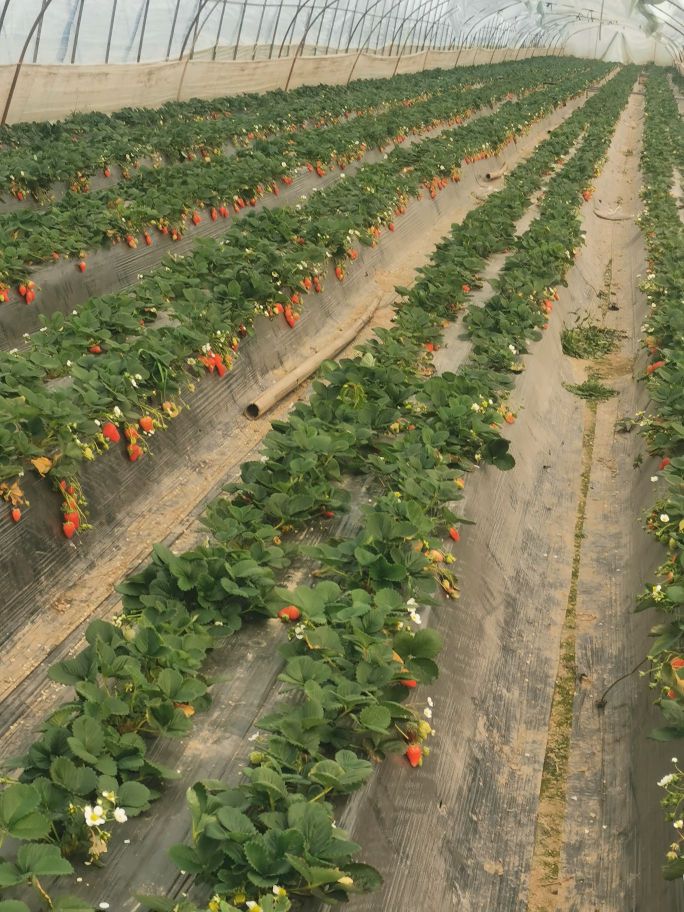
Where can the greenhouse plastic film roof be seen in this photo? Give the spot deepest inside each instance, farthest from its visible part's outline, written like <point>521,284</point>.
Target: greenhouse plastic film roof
<point>130,31</point>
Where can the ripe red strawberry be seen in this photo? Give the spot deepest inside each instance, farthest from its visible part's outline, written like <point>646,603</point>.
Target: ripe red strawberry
<point>328,513</point>
<point>289,317</point>
<point>391,226</point>
<point>213,214</point>
<point>22,290</point>
<point>339,272</point>
<point>131,241</point>
<point>20,195</point>
<point>414,754</point>
<point>466,288</point>
<point>15,514</point>
<point>164,229</point>
<point>252,201</point>
<point>148,239</point>
<point>664,462</point>
<point>290,613</point>
<point>454,534</point>
<point>316,284</point>
<point>307,283</point>
<point>677,663</point>
<point>353,254</point>
<point>73,517</point>
<point>4,295</point>
<point>277,308</point>
<point>107,172</point>
<point>30,296</point>
<point>196,218</point>
<point>68,528</point>
<point>95,349</point>
<point>430,346</point>
<point>111,432</point>
<point>408,682</point>
<point>55,255</point>
<point>82,266</point>
<point>223,211</point>
<point>134,451</point>
<point>654,366</point>
<point>146,423</point>
<point>294,297</point>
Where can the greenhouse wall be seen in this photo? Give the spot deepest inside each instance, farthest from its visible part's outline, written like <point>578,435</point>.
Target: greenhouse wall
<point>50,92</point>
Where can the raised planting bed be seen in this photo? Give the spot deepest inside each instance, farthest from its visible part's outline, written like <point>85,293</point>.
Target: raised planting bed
<point>357,648</point>
<point>119,492</point>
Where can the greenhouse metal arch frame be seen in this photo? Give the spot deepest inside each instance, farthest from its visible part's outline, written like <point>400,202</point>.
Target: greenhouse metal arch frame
<point>133,31</point>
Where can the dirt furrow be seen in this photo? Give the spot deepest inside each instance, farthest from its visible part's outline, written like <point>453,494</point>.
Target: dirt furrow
<point>613,839</point>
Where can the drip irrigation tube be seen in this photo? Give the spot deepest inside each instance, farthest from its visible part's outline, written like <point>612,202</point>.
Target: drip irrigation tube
<point>495,175</point>
<point>264,403</point>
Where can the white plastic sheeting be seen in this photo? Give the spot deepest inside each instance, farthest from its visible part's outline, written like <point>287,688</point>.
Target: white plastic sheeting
<point>129,31</point>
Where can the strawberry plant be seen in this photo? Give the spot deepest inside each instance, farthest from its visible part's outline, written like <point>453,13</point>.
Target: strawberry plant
<point>663,426</point>
<point>356,646</point>
<point>168,197</point>
<point>57,394</point>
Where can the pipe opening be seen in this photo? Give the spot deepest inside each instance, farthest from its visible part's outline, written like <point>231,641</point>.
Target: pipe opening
<point>252,411</point>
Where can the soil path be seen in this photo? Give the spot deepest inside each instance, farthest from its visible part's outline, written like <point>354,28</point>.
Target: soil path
<point>548,576</point>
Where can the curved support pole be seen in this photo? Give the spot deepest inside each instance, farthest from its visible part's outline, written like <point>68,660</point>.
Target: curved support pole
<point>430,11</point>
<point>370,34</point>
<point>15,79</point>
<point>300,46</point>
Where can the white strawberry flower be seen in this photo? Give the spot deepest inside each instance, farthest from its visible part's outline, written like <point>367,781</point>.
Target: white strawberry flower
<point>108,796</point>
<point>664,518</point>
<point>279,891</point>
<point>120,815</point>
<point>94,816</point>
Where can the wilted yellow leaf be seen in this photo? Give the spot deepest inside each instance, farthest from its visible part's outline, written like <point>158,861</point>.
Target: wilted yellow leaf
<point>186,709</point>
<point>42,464</point>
